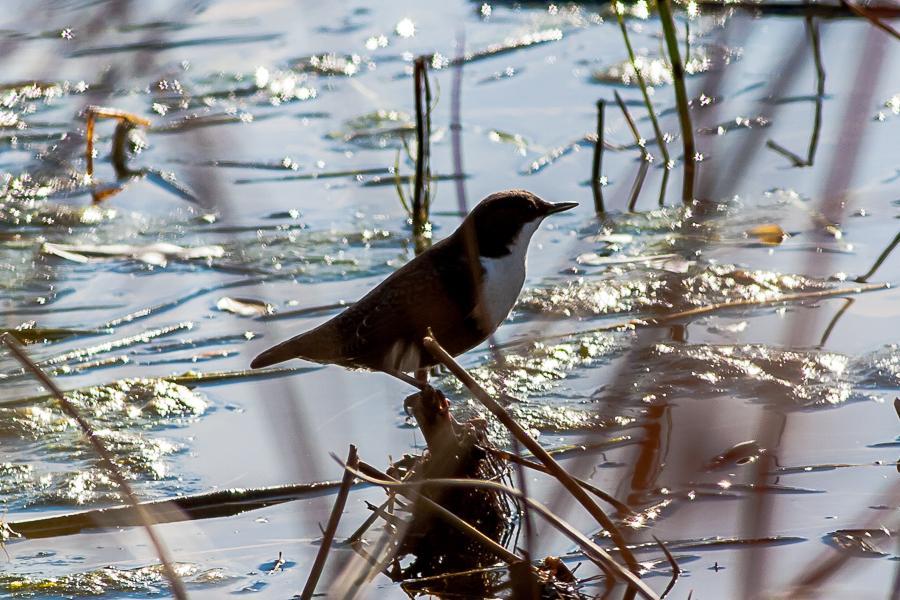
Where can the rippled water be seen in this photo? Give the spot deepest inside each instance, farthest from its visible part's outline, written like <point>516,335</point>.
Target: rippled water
<point>266,200</point>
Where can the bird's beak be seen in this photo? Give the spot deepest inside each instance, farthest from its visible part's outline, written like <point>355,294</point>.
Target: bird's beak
<point>560,206</point>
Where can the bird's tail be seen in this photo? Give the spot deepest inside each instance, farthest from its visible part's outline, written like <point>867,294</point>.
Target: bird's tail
<point>317,345</point>
<point>274,355</point>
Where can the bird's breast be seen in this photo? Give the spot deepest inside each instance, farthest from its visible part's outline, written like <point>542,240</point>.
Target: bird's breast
<point>501,285</point>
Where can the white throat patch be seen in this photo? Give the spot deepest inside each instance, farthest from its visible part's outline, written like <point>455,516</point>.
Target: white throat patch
<point>504,277</point>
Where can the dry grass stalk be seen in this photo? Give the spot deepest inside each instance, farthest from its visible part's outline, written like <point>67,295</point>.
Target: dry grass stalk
<point>107,462</point>
<point>337,510</point>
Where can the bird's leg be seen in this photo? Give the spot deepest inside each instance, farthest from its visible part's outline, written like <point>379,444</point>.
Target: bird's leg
<point>407,379</point>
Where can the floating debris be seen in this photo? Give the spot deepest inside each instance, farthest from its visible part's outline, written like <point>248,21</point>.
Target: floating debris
<point>736,124</point>
<point>769,234</point>
<point>111,580</point>
<point>326,64</point>
<point>158,254</point>
<point>740,454</point>
<point>714,543</point>
<point>511,44</point>
<point>892,105</point>
<point>245,307</point>
<point>30,333</point>
<point>860,542</point>
<point>376,130</point>
<point>588,140</point>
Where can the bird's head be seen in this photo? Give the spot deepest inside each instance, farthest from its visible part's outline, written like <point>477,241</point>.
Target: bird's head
<point>505,219</point>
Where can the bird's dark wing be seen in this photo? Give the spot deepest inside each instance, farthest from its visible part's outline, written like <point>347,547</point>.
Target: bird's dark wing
<point>434,290</point>
<point>385,327</point>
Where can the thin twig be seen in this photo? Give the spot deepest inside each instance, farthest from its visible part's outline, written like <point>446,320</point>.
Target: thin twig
<point>684,117</point>
<point>529,589</point>
<point>813,30</point>
<point>637,185</point>
<point>535,448</point>
<point>805,8</point>
<point>337,510</point>
<point>872,18</point>
<point>597,554</point>
<point>796,160</point>
<point>848,302</point>
<point>361,530</point>
<point>676,570</point>
<point>596,183</point>
<point>515,458</point>
<point>700,310</point>
<point>879,261</point>
<point>352,579</point>
<point>642,144</point>
<point>106,460</point>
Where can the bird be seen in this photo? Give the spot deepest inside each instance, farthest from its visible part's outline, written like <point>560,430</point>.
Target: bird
<point>460,289</point>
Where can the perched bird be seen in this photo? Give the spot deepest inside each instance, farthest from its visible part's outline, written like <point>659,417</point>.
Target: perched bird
<point>461,288</point>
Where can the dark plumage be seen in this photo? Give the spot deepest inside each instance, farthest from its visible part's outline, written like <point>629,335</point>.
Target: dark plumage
<point>439,289</point>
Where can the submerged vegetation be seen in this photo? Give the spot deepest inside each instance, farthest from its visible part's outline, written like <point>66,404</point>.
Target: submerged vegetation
<point>691,397</point>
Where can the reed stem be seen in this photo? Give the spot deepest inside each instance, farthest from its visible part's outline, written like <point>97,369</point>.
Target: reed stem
<point>596,183</point>
<point>660,139</point>
<point>420,201</point>
<point>684,117</point>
